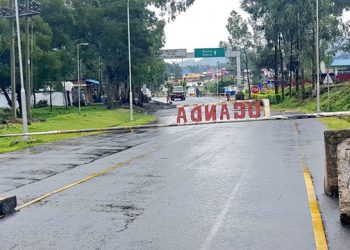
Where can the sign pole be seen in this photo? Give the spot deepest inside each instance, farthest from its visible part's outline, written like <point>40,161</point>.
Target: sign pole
<point>217,79</point>
<point>328,88</point>
<point>317,59</point>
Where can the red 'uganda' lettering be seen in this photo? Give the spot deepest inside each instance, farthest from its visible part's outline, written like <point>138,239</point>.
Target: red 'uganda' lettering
<point>181,114</point>
<point>224,112</point>
<point>196,114</point>
<point>210,114</point>
<point>241,106</point>
<point>257,109</point>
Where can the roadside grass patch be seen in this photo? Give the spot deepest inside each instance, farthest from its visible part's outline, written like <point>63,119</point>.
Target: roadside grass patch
<point>62,119</point>
<point>336,123</point>
<point>339,100</point>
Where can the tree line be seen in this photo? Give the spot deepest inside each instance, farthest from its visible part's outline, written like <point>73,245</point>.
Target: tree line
<point>280,35</point>
<point>62,24</point>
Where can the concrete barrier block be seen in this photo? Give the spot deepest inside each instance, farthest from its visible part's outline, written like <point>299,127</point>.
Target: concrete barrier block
<point>7,205</point>
<point>332,139</point>
<point>344,180</point>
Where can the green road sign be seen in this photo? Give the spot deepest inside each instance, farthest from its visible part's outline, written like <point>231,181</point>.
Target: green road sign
<point>211,52</point>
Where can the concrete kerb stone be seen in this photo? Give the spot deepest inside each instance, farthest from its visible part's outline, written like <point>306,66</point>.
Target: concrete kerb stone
<point>7,205</point>
<point>344,180</point>
<point>332,139</point>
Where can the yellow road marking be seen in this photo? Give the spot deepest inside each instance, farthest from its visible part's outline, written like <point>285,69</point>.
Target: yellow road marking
<point>77,183</point>
<point>319,233</point>
<point>317,223</point>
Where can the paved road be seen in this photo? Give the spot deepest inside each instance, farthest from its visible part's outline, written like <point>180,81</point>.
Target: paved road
<point>227,186</point>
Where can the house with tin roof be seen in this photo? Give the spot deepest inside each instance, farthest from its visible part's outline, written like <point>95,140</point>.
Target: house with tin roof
<point>341,66</point>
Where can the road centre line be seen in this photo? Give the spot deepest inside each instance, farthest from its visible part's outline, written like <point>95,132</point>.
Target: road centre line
<point>119,165</point>
<point>100,173</point>
<point>221,217</point>
<point>317,222</point>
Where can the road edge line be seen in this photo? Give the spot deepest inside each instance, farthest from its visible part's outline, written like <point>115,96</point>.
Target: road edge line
<point>317,223</point>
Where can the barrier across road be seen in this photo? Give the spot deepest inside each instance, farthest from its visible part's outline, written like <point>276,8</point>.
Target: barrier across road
<point>155,126</point>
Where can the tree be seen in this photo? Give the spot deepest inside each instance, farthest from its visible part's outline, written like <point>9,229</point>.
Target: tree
<point>103,24</point>
<point>240,39</point>
<point>290,27</point>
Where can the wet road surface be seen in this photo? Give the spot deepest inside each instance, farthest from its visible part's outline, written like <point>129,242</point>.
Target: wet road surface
<point>227,186</point>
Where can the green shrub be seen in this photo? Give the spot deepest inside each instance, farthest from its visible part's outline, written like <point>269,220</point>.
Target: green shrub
<point>278,98</point>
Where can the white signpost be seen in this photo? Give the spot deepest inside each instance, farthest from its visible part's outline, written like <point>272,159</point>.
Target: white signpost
<point>328,80</point>
<point>182,53</point>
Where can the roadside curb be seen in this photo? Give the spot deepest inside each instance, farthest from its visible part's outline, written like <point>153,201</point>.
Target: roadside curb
<point>165,105</point>
<point>7,205</point>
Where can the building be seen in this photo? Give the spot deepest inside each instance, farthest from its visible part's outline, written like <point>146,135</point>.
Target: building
<point>91,90</point>
<point>341,66</point>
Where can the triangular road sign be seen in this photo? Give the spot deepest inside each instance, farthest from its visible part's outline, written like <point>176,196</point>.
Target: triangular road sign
<point>328,79</point>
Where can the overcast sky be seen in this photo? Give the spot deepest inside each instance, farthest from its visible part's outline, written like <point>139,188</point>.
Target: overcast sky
<point>202,25</point>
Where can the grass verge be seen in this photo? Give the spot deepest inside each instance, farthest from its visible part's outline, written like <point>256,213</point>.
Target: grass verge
<point>335,123</point>
<point>339,100</point>
<point>66,119</point>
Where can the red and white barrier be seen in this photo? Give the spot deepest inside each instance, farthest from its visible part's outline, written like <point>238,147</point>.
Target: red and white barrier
<point>225,111</point>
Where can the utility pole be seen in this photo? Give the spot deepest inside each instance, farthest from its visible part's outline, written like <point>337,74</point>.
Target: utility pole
<point>317,58</point>
<point>13,12</point>
<point>129,50</point>
<point>32,64</point>
<point>23,93</point>
<point>27,84</point>
<point>13,61</point>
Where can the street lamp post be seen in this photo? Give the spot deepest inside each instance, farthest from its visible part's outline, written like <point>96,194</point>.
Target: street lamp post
<point>217,79</point>
<point>317,59</point>
<point>129,50</point>
<point>78,59</point>
<point>10,12</point>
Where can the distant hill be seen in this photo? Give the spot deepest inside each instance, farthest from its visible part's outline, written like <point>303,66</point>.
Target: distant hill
<point>212,61</point>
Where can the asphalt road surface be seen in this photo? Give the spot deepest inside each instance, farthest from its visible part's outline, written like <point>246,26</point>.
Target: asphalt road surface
<point>223,186</point>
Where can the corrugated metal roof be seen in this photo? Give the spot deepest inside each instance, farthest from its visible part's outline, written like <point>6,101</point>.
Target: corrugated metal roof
<point>340,62</point>
<point>92,81</point>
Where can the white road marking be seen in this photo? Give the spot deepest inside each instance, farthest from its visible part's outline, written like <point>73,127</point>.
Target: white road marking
<point>221,217</point>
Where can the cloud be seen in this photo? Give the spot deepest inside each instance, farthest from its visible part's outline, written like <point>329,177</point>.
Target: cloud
<point>203,25</point>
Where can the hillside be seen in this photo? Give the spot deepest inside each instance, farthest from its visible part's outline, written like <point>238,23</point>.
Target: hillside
<point>339,100</point>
